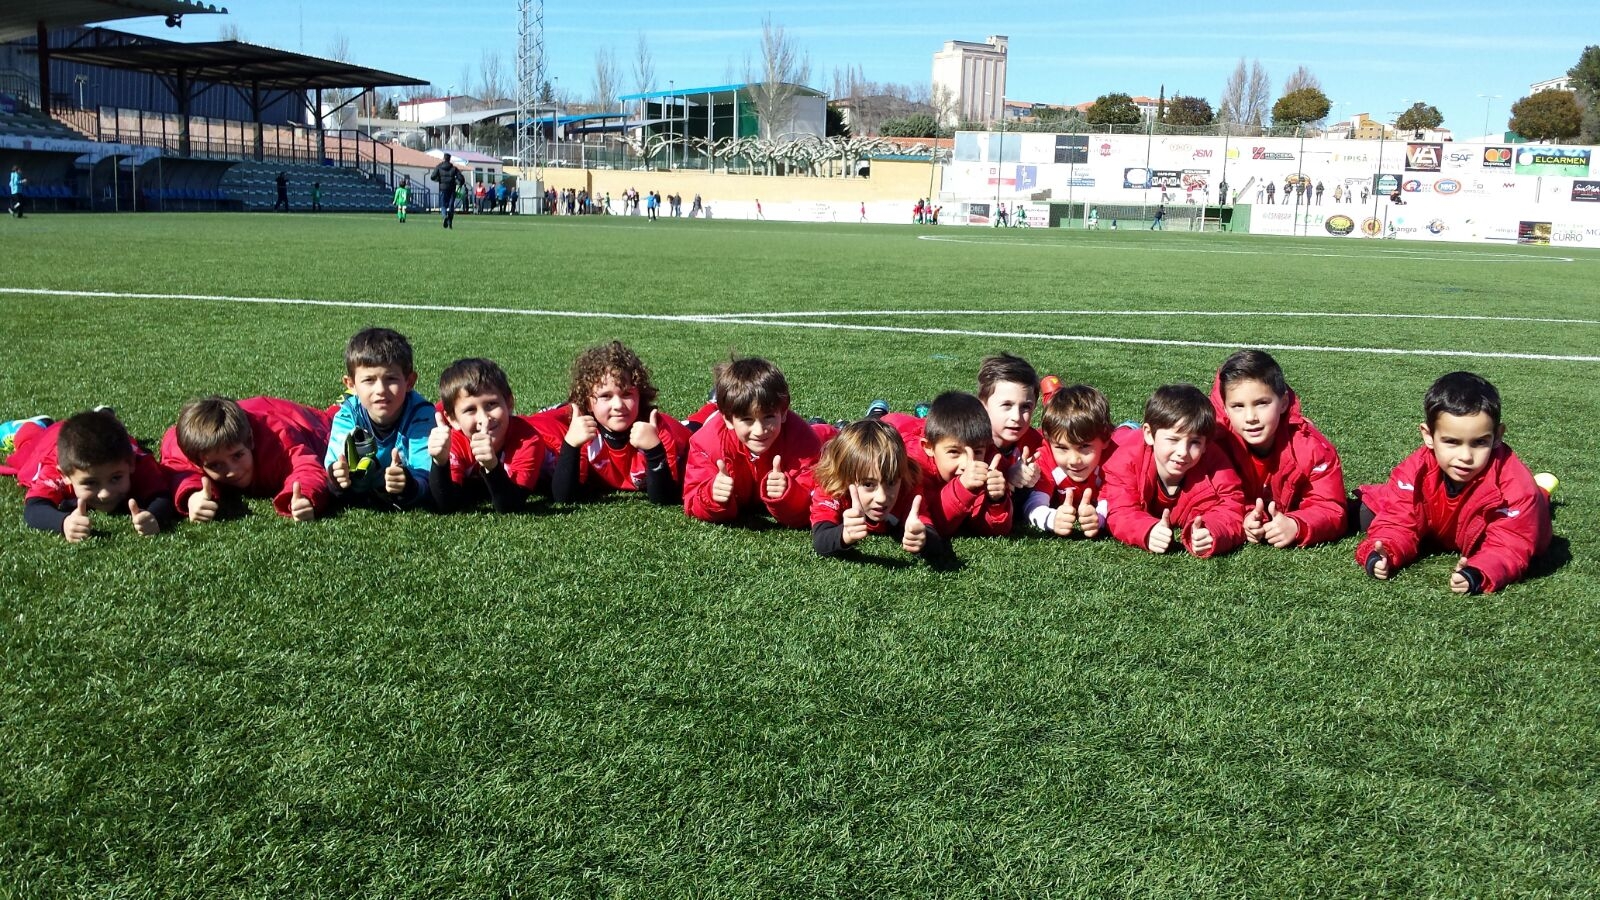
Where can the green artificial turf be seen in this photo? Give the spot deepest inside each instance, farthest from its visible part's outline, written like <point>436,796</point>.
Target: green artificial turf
<point>613,700</point>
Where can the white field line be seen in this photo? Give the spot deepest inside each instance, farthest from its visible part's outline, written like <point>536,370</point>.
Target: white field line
<point>1196,247</point>
<point>1155,313</point>
<point>725,319</point>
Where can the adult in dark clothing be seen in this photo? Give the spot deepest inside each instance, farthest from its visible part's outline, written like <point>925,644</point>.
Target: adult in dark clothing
<point>449,179</point>
<point>283,192</point>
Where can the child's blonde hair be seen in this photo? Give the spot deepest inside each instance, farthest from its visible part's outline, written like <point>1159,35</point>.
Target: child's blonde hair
<point>212,423</point>
<point>864,449</point>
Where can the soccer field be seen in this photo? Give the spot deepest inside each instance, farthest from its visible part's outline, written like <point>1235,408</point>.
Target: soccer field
<point>615,700</point>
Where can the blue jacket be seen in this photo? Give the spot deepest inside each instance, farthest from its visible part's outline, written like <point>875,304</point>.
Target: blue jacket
<point>416,422</point>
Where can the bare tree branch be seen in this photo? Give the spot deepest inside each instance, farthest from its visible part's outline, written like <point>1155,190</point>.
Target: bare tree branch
<point>607,79</point>
<point>644,66</point>
<point>784,67</point>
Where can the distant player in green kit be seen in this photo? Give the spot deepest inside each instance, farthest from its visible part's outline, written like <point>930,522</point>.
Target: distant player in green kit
<point>402,197</point>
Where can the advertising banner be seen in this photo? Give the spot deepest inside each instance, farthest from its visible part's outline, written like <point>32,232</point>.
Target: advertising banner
<point>1497,157</point>
<point>1385,184</point>
<point>1072,149</point>
<point>1571,162</point>
<point>1586,191</point>
<point>1533,232</point>
<point>1424,157</point>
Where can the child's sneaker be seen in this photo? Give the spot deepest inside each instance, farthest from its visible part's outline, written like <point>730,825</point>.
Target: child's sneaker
<point>921,410</point>
<point>877,409</point>
<point>8,432</point>
<point>1048,386</point>
<point>360,455</point>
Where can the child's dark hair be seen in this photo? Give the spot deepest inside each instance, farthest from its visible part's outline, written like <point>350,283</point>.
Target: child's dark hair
<point>1077,414</point>
<point>474,377</point>
<point>1005,367</point>
<point>1461,394</point>
<point>864,449</point>
<point>92,439</point>
<point>377,347</point>
<point>1180,407</point>
<point>1253,365</point>
<point>958,416</point>
<point>745,385</point>
<point>614,359</point>
<point>212,423</point>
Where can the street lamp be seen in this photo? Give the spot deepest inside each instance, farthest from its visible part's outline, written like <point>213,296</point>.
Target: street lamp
<point>1000,161</point>
<point>1487,99</point>
<point>672,119</point>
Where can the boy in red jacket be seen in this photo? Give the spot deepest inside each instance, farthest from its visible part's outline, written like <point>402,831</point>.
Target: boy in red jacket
<point>1168,482</point>
<point>1463,490</point>
<point>223,449</point>
<point>753,451</point>
<point>479,448</point>
<point>1293,479</point>
<point>87,463</point>
<point>963,483</point>
<point>1077,429</point>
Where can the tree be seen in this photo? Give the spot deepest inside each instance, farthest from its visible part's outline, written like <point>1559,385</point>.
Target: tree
<point>1301,107</point>
<point>644,66</point>
<point>1231,109</point>
<point>491,77</point>
<point>1189,111</point>
<point>784,68</point>
<point>1301,78</point>
<point>607,80</point>
<point>1586,82</point>
<point>1257,96</point>
<point>1113,109</point>
<point>1547,116</point>
<point>1420,116</point>
<point>918,125</point>
<point>836,126</point>
<point>230,32</point>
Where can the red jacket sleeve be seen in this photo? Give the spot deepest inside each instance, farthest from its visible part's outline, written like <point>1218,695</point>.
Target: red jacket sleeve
<point>184,477</point>
<point>826,509</point>
<point>305,469</point>
<point>1127,518</point>
<point>524,453</point>
<point>1217,497</point>
<point>797,449</point>
<point>705,451</point>
<point>1397,509</point>
<point>1320,512</point>
<point>1517,525</point>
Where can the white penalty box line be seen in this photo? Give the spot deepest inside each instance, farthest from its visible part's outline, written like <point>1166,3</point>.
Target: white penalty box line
<point>787,320</point>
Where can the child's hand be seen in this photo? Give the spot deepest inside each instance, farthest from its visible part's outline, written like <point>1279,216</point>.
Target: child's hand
<point>1066,517</point>
<point>722,485</point>
<point>974,474</point>
<point>300,509</point>
<point>777,481</point>
<point>583,428</point>
<point>1255,522</point>
<point>394,477</point>
<point>644,435</point>
<point>1200,540</point>
<point>1458,582</point>
<point>1161,535</point>
<point>144,522</point>
<point>439,440</point>
<point>341,473</point>
<point>483,448</point>
<point>1281,530</point>
<point>855,519</point>
<point>994,481</point>
<point>77,526</point>
<point>203,506</point>
<point>1025,474</point>
<point>1088,515</point>
<point>916,534</point>
<point>1379,568</point>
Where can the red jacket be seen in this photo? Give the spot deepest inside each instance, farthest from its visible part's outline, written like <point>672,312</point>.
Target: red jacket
<point>288,442</point>
<point>1302,472</point>
<point>523,455</point>
<point>623,468</point>
<point>798,447</point>
<point>34,464</point>
<point>948,505</point>
<point>1499,522</point>
<point>1051,490</point>
<point>1134,498</point>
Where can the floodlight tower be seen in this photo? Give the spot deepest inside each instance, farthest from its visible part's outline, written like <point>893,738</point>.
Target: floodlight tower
<point>530,75</point>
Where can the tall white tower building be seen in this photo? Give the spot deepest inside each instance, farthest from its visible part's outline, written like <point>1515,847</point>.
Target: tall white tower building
<point>969,80</point>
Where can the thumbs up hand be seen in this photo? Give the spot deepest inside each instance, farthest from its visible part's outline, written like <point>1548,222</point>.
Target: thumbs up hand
<point>341,472</point>
<point>722,485</point>
<point>394,477</point>
<point>144,521</point>
<point>1379,569</point>
<point>1255,521</point>
<point>915,537</point>
<point>777,480</point>
<point>974,474</point>
<point>1066,516</point>
<point>855,519</point>
<point>77,526</point>
<point>203,505</point>
<point>439,440</point>
<point>1161,535</point>
<point>995,480</point>
<point>1200,539</point>
<point>300,509</point>
<point>583,429</point>
<point>1088,514</point>
<point>1025,474</point>
<point>645,434</point>
<point>1281,530</point>
<point>483,447</point>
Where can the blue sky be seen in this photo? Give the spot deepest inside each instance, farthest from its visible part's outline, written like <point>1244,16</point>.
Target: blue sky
<point>1374,58</point>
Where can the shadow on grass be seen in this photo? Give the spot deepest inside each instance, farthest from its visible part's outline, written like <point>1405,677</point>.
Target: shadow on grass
<point>1552,560</point>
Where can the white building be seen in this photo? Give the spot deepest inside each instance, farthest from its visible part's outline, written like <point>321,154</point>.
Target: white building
<point>969,80</point>
<point>1563,83</point>
<point>429,108</point>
